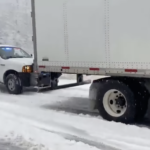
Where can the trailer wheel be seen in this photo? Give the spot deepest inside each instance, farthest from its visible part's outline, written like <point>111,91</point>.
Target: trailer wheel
<point>13,84</point>
<point>116,102</point>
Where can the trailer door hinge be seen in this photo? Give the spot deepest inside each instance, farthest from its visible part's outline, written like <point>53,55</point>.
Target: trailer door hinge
<point>31,14</point>
<point>45,59</point>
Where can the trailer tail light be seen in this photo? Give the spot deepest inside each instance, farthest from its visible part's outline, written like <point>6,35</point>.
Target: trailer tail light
<point>41,66</point>
<point>94,69</point>
<point>27,69</point>
<point>131,70</point>
<point>65,67</point>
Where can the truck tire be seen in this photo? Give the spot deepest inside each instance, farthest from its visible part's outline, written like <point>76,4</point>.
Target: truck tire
<point>116,102</point>
<point>13,84</point>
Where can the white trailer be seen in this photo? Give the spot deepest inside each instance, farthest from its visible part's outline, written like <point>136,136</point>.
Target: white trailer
<point>97,37</point>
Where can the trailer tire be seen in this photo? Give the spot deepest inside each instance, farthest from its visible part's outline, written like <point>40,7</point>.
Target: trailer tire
<point>142,96</point>
<point>13,84</point>
<point>125,99</point>
<point>141,110</point>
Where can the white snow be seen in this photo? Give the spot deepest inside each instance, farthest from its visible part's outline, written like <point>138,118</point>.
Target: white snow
<point>22,134</point>
<point>53,119</point>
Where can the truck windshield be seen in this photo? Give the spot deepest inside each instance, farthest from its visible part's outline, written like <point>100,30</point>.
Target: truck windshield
<point>13,52</point>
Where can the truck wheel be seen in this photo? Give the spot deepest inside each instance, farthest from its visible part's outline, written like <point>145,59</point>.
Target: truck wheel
<point>13,84</point>
<point>116,102</point>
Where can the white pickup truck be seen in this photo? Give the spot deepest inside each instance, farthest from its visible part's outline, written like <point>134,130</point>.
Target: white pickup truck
<point>16,71</point>
<point>16,66</point>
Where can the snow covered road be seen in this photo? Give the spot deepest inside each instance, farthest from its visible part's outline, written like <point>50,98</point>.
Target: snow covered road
<point>62,120</point>
<point>8,146</point>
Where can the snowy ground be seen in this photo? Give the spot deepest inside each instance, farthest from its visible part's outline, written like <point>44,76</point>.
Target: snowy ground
<point>61,120</point>
<point>8,146</point>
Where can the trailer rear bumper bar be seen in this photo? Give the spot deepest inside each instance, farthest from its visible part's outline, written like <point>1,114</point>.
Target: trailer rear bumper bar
<point>44,81</point>
<point>48,88</point>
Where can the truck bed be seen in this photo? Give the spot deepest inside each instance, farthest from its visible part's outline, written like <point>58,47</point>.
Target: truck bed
<point>99,37</point>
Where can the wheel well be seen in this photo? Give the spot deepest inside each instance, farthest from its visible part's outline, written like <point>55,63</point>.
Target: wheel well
<point>9,72</point>
<point>145,84</point>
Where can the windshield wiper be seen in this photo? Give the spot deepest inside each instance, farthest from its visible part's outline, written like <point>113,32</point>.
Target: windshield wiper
<point>10,57</point>
<point>14,57</point>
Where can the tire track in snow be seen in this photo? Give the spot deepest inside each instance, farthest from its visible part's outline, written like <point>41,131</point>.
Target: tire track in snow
<point>98,145</point>
<point>67,136</point>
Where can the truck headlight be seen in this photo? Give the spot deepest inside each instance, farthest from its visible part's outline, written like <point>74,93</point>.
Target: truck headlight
<point>27,69</point>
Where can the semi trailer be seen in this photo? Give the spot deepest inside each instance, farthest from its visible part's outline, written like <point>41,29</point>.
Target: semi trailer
<point>96,37</point>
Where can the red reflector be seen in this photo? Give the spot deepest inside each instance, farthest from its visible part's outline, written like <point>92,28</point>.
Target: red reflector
<point>65,67</point>
<point>130,70</point>
<point>94,69</point>
<point>41,66</point>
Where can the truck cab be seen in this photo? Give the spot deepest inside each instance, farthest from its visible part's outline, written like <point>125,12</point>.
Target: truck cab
<point>16,66</point>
